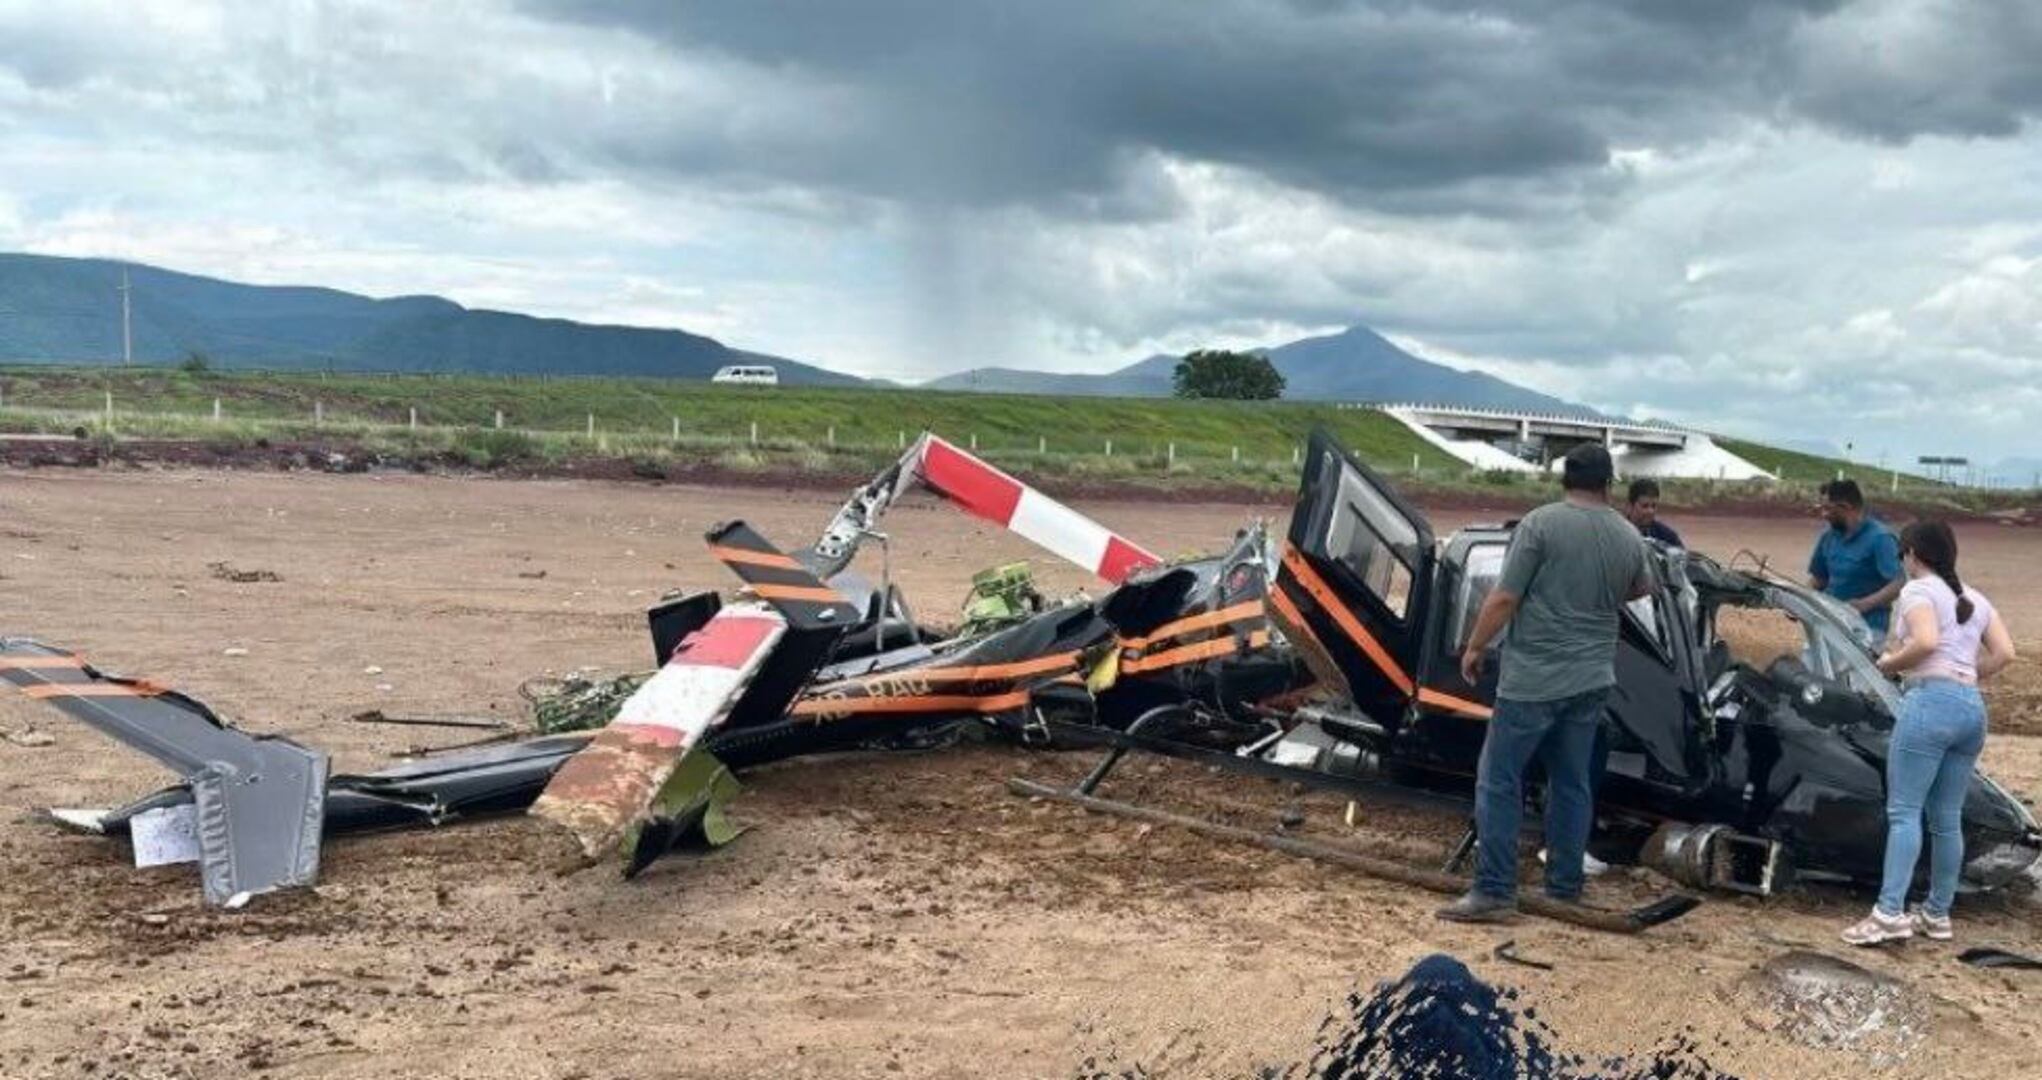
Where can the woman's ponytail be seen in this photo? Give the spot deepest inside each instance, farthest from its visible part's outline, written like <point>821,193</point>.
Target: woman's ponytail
<point>1935,546</point>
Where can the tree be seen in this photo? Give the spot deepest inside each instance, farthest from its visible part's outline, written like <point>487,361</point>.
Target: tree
<point>1217,373</point>
<point>195,364</point>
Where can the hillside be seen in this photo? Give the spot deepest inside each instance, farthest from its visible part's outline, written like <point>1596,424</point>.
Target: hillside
<point>874,419</point>
<point>1356,364</point>
<point>68,310</point>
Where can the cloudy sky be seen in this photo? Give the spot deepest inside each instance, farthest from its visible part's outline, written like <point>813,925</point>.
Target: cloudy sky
<point>1815,219</point>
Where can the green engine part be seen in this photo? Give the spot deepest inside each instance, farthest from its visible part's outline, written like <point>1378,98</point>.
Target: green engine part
<point>1001,596</point>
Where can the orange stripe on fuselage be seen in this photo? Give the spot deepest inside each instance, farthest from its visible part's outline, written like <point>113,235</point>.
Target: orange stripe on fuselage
<point>1440,699</point>
<point>1189,654</point>
<point>1225,615</point>
<point>1329,602</point>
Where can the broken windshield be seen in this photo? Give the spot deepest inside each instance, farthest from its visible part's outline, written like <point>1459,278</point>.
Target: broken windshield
<point>1839,645</point>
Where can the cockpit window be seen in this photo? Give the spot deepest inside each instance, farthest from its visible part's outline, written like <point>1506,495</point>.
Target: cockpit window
<point>1479,574</point>
<point>1373,542</point>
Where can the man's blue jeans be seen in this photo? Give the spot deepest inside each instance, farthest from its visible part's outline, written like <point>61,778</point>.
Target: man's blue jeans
<point>1936,741</point>
<point>1561,734</point>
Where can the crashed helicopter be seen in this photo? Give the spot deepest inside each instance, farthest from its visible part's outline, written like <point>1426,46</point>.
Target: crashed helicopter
<point>1327,659</point>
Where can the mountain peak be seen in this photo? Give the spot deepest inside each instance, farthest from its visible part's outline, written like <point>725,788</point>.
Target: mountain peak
<point>1355,364</point>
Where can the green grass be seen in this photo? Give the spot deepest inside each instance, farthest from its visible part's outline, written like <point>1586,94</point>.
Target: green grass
<point>853,431</point>
<point>1003,426</point>
<point>1794,466</point>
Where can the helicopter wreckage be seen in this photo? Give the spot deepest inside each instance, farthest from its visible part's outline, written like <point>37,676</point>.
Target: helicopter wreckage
<point>1328,658</point>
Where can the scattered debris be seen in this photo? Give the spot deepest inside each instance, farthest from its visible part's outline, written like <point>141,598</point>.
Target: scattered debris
<point>577,702</point>
<point>1507,952</point>
<point>30,737</point>
<point>252,836</point>
<point>482,723</point>
<point>1825,1002</point>
<point>372,669</point>
<point>233,650</point>
<point>537,575</point>
<point>226,572</point>
<point>1986,957</point>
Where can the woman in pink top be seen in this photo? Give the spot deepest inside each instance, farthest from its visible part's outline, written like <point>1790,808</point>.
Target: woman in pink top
<point>1945,638</point>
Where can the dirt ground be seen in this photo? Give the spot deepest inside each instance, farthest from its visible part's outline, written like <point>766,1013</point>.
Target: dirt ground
<point>885,916</point>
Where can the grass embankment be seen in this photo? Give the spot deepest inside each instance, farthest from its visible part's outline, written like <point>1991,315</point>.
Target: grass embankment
<point>657,423</point>
<point>1230,443</point>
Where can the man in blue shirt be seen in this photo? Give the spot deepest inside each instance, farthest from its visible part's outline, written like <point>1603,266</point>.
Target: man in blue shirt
<point>1857,559</point>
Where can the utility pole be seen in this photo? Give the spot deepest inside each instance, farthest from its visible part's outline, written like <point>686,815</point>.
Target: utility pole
<point>127,336</point>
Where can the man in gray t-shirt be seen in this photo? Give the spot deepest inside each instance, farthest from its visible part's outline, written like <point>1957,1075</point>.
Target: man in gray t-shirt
<point>1571,567</point>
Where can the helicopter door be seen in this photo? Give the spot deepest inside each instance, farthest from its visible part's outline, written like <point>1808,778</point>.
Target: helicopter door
<point>1354,586</point>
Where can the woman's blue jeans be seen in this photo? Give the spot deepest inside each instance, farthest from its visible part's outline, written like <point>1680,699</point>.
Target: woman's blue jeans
<point>1935,747</point>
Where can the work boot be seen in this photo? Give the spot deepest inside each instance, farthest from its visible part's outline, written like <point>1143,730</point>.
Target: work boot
<point>1477,907</point>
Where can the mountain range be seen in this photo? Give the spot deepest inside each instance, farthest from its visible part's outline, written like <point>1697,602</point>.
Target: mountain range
<point>68,310</point>
<point>55,309</point>
<point>1356,364</point>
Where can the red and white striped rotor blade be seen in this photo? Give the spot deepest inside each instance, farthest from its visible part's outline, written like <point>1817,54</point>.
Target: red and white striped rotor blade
<point>986,492</point>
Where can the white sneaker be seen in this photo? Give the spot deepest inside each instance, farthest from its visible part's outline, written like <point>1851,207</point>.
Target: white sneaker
<point>1590,865</point>
<point>1878,928</point>
<point>1933,927</point>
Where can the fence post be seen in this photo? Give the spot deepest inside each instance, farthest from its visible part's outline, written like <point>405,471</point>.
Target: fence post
<point>109,406</point>
<point>1109,448</point>
<point>832,436</point>
<point>1294,454</point>
<point>318,413</point>
<point>592,425</point>
<point>216,410</point>
<point>499,419</point>
<point>1236,454</point>
<point>1896,480</point>
<point>414,418</point>
<point>1042,444</point>
<point>677,429</point>
<point>1414,464</point>
<point>1170,456</point>
<point>900,440</point>
<point>755,433</point>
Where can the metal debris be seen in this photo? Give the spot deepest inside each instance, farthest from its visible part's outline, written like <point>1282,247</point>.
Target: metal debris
<point>1507,952</point>
<point>259,801</point>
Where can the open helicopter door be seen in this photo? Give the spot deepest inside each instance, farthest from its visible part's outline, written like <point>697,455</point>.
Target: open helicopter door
<point>1354,587</point>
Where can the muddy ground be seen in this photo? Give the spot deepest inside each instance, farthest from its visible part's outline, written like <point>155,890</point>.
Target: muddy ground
<point>885,916</point>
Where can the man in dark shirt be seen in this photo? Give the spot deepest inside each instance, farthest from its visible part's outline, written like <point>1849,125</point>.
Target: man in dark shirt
<point>1644,513</point>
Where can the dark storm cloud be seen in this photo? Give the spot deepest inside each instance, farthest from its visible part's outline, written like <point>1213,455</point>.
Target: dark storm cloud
<point>993,103</point>
<point>1402,103</point>
<point>1893,71</point>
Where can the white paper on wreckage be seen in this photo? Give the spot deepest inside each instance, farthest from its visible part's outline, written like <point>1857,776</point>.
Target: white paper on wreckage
<point>165,836</point>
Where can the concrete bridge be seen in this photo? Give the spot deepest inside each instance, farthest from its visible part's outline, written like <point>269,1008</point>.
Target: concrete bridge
<point>1531,442</point>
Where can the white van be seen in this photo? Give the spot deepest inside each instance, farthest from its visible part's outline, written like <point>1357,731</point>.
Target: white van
<point>754,375</point>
